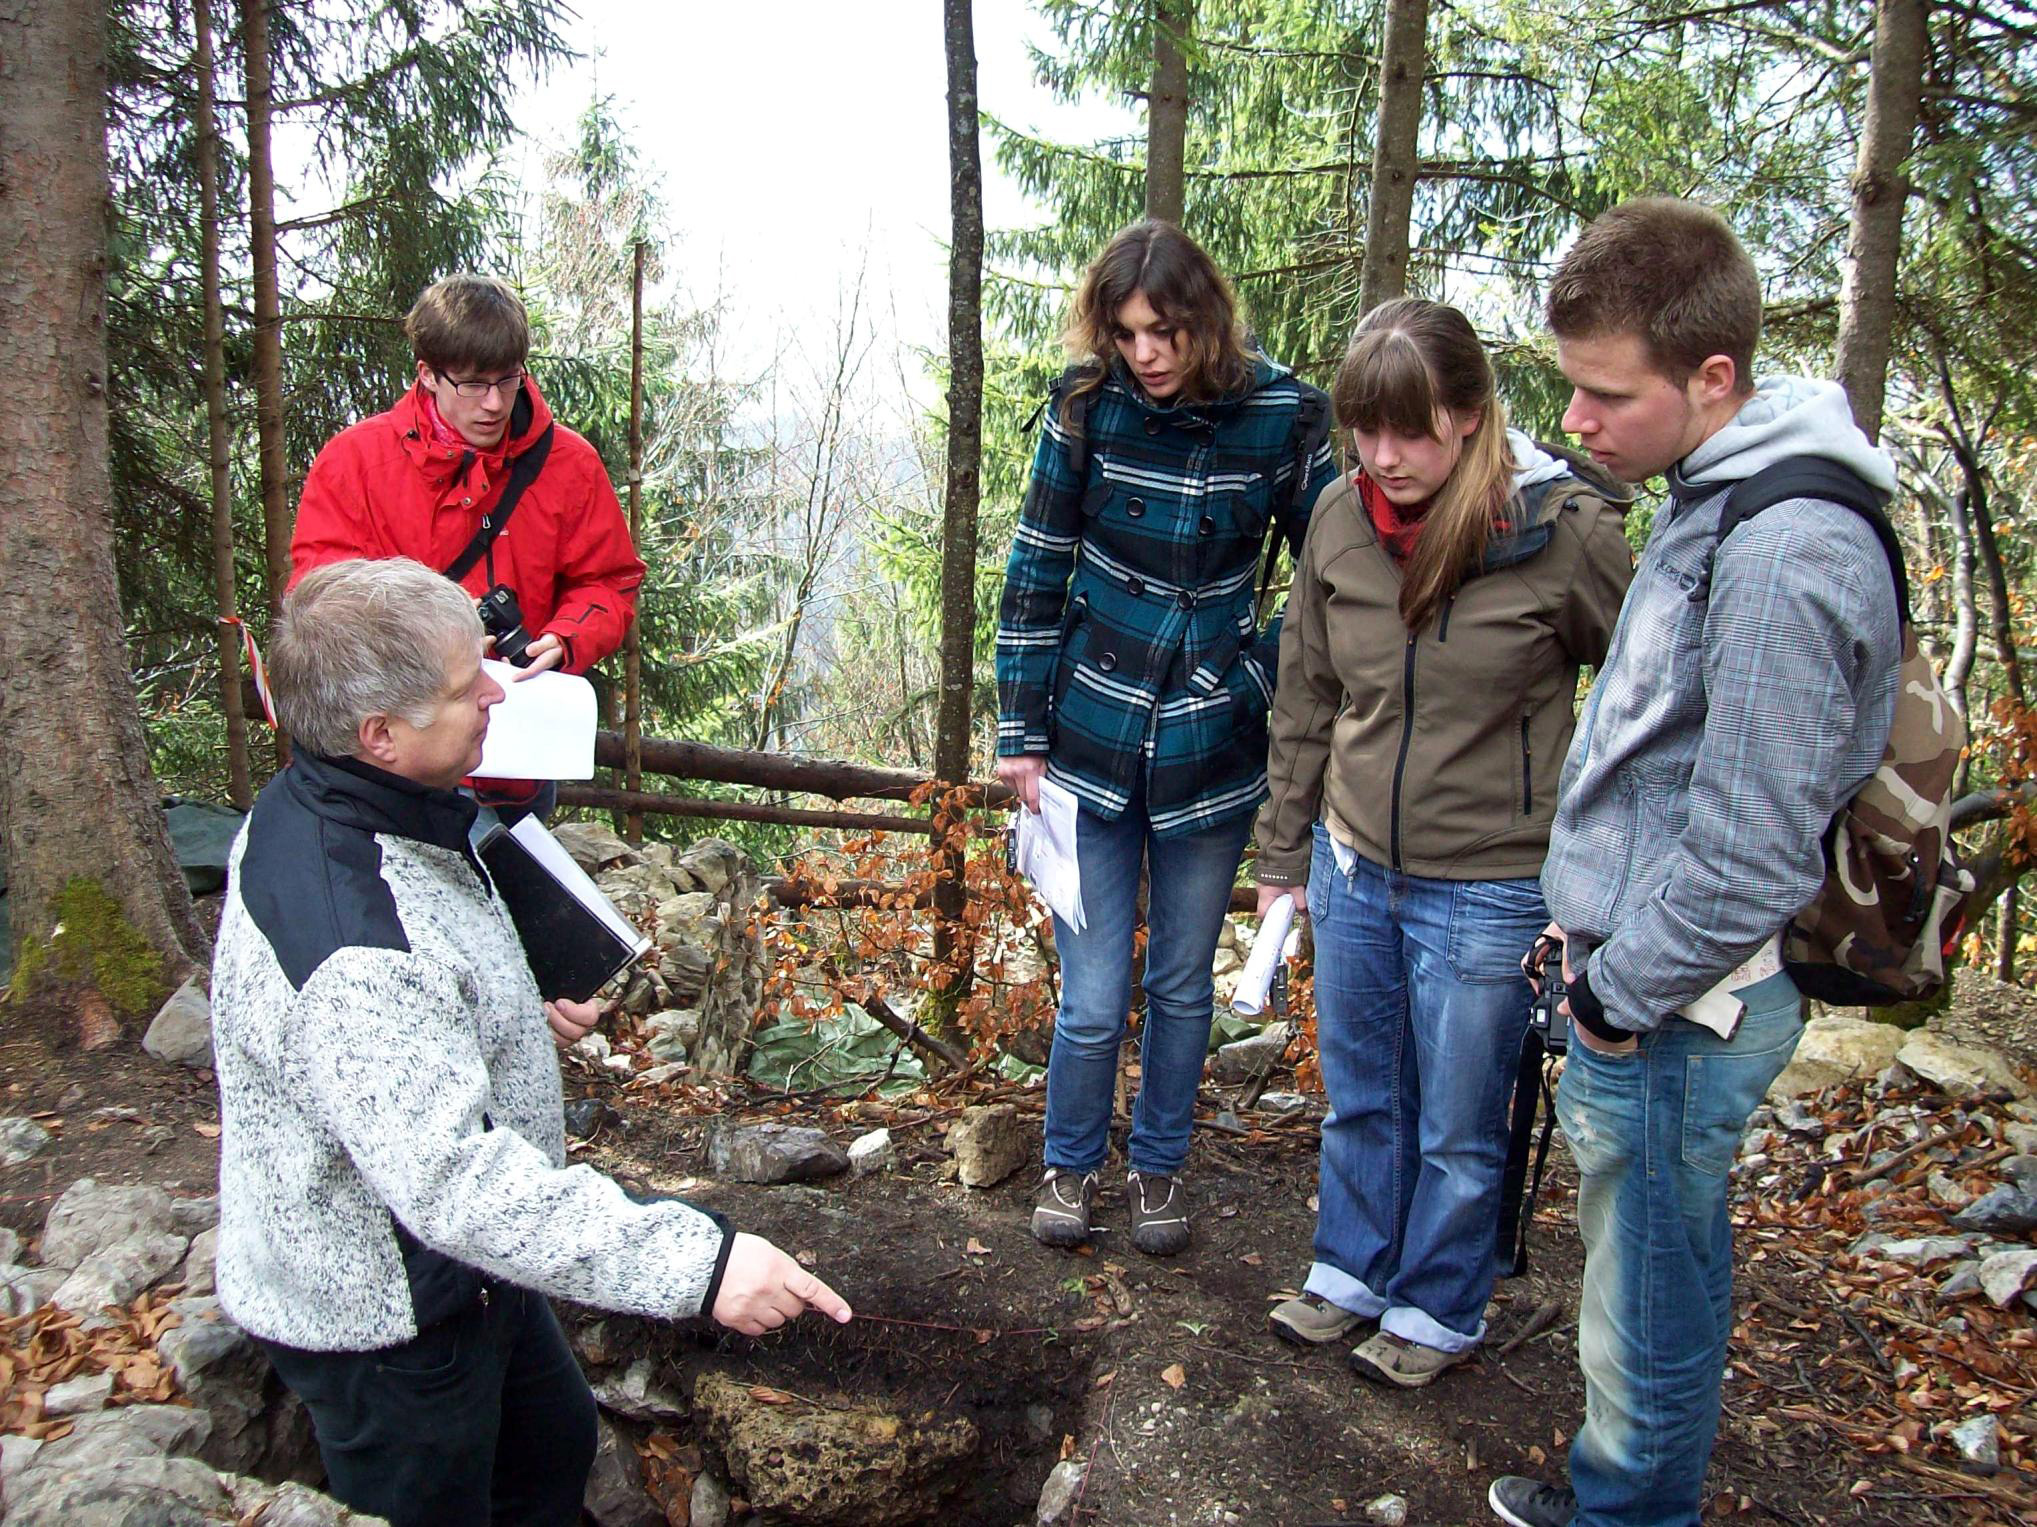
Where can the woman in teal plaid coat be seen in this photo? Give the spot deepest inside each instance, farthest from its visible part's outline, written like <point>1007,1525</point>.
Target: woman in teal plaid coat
<point>1132,673</point>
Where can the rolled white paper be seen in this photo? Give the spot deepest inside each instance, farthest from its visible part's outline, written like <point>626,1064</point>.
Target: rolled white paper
<point>1268,949</point>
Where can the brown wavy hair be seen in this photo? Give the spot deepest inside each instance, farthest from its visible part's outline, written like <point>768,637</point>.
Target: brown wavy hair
<point>1185,288</point>
<point>1411,360</point>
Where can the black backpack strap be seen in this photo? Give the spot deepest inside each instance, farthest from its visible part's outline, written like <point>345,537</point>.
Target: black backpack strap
<point>1828,482</point>
<point>522,473</point>
<point>1074,408</point>
<point>1311,429</point>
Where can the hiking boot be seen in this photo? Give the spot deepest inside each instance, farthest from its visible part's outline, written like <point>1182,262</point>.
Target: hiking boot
<point>1530,1503</point>
<point>1159,1214</point>
<point>1389,1359</point>
<point>1061,1207</point>
<point>1311,1321</point>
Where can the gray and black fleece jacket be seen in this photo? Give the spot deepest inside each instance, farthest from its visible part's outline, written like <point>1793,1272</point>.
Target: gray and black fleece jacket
<point>389,1090</point>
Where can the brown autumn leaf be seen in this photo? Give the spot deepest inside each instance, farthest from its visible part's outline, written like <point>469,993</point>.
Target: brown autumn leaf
<point>209,1131</point>
<point>1105,1379</point>
<point>765,1395</point>
<point>976,1248</point>
<point>1067,1446</point>
<point>1173,1376</point>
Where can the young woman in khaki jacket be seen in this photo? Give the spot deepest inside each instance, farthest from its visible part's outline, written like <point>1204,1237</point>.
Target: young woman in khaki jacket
<point>1448,594</point>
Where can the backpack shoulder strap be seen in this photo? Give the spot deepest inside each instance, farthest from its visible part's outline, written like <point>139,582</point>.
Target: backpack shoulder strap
<point>1829,482</point>
<point>1311,429</point>
<point>1074,410</point>
<point>522,473</point>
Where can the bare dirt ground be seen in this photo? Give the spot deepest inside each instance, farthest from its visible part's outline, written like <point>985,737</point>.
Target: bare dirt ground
<point>1159,1373</point>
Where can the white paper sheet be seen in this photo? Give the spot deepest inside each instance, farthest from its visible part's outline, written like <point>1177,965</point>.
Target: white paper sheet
<point>1269,948</point>
<point>549,852</point>
<point>1719,1009</point>
<point>1045,853</point>
<point>541,728</point>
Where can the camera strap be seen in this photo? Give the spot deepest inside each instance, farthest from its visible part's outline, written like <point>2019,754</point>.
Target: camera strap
<point>522,472</point>
<point>1518,1191</point>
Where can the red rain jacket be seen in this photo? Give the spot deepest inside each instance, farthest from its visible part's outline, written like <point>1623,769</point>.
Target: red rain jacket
<point>384,488</point>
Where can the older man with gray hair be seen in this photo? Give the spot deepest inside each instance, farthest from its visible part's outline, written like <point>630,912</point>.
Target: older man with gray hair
<point>394,1196</point>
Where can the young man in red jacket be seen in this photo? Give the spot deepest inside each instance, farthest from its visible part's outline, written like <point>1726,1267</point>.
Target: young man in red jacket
<point>426,480</point>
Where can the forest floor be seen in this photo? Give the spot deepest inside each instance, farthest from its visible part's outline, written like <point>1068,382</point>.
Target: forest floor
<point>1161,1373</point>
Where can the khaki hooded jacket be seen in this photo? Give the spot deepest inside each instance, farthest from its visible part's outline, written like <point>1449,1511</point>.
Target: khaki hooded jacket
<point>1437,751</point>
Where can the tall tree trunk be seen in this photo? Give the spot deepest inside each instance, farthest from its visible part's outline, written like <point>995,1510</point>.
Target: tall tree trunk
<point>1166,111</point>
<point>218,439</point>
<point>633,678</point>
<point>1402,61</point>
<point>963,489</point>
<point>1867,297</point>
<point>268,337</point>
<point>80,805</point>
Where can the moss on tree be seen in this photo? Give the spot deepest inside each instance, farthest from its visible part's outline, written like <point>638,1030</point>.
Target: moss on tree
<point>94,944</point>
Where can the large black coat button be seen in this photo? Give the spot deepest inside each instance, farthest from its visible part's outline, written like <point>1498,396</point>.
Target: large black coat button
<point>1154,426</point>
<point>1135,507</point>
<point>1135,586</point>
<point>1107,662</point>
<point>1209,524</point>
<point>1186,599</point>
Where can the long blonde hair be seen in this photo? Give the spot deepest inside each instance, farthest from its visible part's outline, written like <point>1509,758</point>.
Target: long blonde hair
<point>1411,363</point>
<point>1185,287</point>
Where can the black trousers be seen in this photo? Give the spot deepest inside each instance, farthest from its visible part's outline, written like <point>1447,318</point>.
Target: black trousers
<point>483,1420</point>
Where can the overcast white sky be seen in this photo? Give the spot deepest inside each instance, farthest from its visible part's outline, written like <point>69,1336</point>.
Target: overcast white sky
<point>793,135</point>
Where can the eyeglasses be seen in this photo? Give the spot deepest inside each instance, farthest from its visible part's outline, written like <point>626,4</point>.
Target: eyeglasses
<point>509,385</point>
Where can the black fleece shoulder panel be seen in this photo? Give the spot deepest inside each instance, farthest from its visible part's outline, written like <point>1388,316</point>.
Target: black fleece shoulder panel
<point>313,886</point>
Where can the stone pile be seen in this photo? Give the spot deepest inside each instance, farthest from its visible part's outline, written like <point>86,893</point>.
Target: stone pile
<point>699,988</point>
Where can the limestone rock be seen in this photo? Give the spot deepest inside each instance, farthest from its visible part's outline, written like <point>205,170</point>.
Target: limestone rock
<point>637,1395</point>
<point>1979,1443</point>
<point>291,1505</point>
<point>673,1033</point>
<point>593,846</point>
<point>1059,1494</point>
<point>1282,1104</point>
<point>1946,1193</point>
<point>131,1431</point>
<point>813,1465</point>
<point>1387,1511</point>
<point>1957,1069</point>
<point>1244,1059</point>
<point>10,1247</point>
<point>713,864</point>
<point>222,1371</point>
<point>188,1216</point>
<point>1919,1251</point>
<point>24,1290</point>
<point>2006,1274</point>
<point>1834,1048</point>
<point>115,1274</point>
<point>198,1273</point>
<point>615,1486</point>
<point>121,1492</point>
<point>2006,1210</point>
<point>73,1397</point>
<point>710,1501</point>
<point>181,1033</point>
<point>22,1140</point>
<point>16,1453</point>
<point>772,1153</point>
<point>988,1144</point>
<point>873,1152</point>
<point>89,1217</point>
<point>2020,1138</point>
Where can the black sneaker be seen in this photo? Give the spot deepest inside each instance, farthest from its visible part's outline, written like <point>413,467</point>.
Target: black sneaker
<point>1061,1207</point>
<point>1159,1214</point>
<point>1530,1503</point>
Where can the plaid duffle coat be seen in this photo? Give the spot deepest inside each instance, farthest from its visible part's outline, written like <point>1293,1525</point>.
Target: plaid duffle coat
<point>1128,644</point>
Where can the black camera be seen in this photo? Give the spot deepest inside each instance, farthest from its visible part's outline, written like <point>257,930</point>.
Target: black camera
<point>1546,1017</point>
<point>502,619</point>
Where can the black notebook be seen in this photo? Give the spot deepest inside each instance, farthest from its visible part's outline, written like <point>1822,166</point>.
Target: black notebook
<point>572,935</point>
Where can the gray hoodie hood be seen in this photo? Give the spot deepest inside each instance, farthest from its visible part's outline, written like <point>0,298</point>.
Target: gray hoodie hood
<point>1787,416</point>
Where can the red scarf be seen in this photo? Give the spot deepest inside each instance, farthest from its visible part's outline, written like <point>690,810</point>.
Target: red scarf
<point>1396,534</point>
<point>444,434</point>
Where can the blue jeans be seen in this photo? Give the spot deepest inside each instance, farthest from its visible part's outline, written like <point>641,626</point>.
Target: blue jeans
<point>1189,890</point>
<point>1420,1012</point>
<point>1654,1132</point>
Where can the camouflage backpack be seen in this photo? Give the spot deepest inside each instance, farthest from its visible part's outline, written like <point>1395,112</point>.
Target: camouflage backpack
<point>1883,924</point>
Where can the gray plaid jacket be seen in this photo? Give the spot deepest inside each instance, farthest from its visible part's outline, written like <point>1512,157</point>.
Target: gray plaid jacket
<point>1747,695</point>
